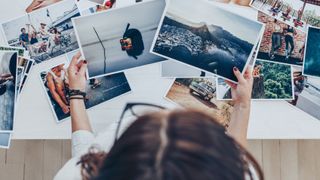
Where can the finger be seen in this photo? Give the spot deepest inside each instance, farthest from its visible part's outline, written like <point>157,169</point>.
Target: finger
<point>248,73</point>
<point>238,74</point>
<point>80,64</point>
<point>83,68</point>
<point>75,60</point>
<point>231,84</point>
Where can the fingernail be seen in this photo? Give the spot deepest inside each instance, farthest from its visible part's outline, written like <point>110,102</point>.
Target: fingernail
<point>235,69</point>
<point>85,62</point>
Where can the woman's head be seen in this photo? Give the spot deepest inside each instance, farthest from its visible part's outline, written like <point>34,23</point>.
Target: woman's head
<point>176,145</point>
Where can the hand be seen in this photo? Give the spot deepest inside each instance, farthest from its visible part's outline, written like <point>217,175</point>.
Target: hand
<point>77,73</point>
<point>42,3</point>
<point>241,92</point>
<point>65,109</point>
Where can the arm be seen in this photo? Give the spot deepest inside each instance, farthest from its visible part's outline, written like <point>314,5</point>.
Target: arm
<point>241,95</point>
<point>77,81</point>
<point>55,95</point>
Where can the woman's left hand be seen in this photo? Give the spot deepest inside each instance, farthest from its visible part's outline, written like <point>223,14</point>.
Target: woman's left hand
<point>77,73</point>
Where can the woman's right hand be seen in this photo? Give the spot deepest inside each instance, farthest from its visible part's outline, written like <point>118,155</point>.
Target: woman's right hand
<point>241,92</point>
<point>77,73</point>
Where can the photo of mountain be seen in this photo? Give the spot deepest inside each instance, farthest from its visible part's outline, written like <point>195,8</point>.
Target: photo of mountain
<point>211,44</point>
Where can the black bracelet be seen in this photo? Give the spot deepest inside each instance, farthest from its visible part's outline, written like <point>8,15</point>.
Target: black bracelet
<point>74,92</point>
<point>81,98</point>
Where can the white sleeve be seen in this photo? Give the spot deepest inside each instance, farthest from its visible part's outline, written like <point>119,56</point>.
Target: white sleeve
<point>82,140</point>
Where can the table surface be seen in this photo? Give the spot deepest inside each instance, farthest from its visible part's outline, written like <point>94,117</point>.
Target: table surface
<point>35,120</point>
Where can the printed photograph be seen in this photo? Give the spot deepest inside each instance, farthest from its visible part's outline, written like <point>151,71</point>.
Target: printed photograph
<point>312,53</point>
<point>45,33</point>
<point>121,43</point>
<point>18,82</point>
<point>27,65</point>
<point>87,8</point>
<point>200,94</point>
<point>7,48</point>
<point>55,82</point>
<point>211,44</point>
<point>175,69</point>
<point>281,43</point>
<point>271,81</point>
<point>306,93</point>
<point>8,66</point>
<point>236,2</point>
<point>296,13</point>
<point>5,138</point>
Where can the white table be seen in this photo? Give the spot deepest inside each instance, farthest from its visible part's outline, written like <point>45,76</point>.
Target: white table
<point>269,119</point>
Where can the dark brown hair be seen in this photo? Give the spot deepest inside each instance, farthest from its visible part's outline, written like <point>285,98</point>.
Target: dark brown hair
<point>178,145</point>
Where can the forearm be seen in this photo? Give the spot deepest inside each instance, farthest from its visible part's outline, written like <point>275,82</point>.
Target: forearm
<point>238,126</point>
<point>79,116</point>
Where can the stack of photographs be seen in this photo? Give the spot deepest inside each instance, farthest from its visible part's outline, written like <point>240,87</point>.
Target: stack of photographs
<point>198,50</point>
<point>288,42</point>
<point>14,70</point>
<point>291,37</point>
<point>8,97</point>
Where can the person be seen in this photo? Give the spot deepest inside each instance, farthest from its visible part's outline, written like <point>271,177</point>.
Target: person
<point>275,38</point>
<point>289,39</point>
<point>44,34</point>
<point>256,71</point>
<point>24,38</point>
<point>37,4</point>
<point>299,82</point>
<point>4,79</point>
<point>57,83</point>
<point>56,36</point>
<point>161,144</point>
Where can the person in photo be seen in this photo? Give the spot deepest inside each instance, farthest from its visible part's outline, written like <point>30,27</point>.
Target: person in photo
<point>4,79</point>
<point>57,83</point>
<point>280,42</point>
<point>37,4</point>
<point>155,143</point>
<point>296,13</point>
<point>289,39</point>
<point>8,78</point>
<point>276,38</point>
<point>43,32</point>
<point>24,38</point>
<point>299,82</point>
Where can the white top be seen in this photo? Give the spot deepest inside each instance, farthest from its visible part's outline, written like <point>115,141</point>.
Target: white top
<point>81,142</point>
